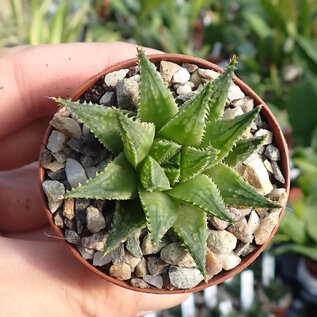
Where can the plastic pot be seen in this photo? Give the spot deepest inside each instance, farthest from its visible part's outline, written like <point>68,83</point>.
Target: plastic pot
<point>266,114</point>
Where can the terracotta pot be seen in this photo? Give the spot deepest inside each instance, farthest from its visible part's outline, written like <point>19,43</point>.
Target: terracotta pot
<point>266,114</point>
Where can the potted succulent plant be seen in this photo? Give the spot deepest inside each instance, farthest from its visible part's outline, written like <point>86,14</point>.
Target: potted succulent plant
<point>185,186</point>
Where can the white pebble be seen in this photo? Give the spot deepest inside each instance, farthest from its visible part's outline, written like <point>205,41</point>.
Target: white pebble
<point>184,89</point>
<point>182,76</point>
<point>113,78</point>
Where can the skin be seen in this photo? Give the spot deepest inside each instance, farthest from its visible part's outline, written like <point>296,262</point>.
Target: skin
<point>38,276</point>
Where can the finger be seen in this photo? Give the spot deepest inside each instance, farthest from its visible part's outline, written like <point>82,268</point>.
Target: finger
<point>29,74</point>
<point>20,200</point>
<point>22,146</point>
<point>59,286</point>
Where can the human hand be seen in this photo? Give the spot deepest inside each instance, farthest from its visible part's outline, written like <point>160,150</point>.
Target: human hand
<point>38,276</point>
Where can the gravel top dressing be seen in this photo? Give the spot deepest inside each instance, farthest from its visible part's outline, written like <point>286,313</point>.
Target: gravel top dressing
<point>73,155</point>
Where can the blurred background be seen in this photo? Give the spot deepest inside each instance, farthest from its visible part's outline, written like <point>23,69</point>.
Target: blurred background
<point>276,42</point>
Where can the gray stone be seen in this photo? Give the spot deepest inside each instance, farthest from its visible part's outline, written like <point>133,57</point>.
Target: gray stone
<point>91,171</point>
<point>80,220</point>
<point>190,67</point>
<point>246,103</point>
<point>268,135</point>
<point>272,152</point>
<point>87,145</point>
<point>85,253</point>
<point>108,99</point>
<point>240,230</point>
<point>54,190</point>
<point>184,89</point>
<point>155,265</point>
<point>221,241</point>
<point>100,259</point>
<point>96,241</point>
<point>277,172</point>
<point>56,141</point>
<point>59,175</point>
<point>181,76</point>
<point>133,245</point>
<point>86,161</point>
<point>58,219</point>
<point>127,93</point>
<point>167,70</point>
<point>183,98</point>
<point>94,219</point>
<point>184,277</point>
<point>138,282</point>
<point>72,236</point>
<point>230,261</point>
<point>238,214</point>
<point>54,205</point>
<point>60,156</point>
<point>175,254</point>
<point>196,79</point>
<point>75,173</point>
<point>244,249</point>
<point>156,281</point>
<point>149,248</point>
<point>229,113</point>
<point>208,73</point>
<point>235,92</point>
<point>141,268</point>
<point>131,260</point>
<point>113,78</point>
<point>118,254</point>
<point>68,126</point>
<point>120,271</point>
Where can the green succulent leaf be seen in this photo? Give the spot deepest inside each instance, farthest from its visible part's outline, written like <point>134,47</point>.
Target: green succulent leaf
<point>117,181</point>
<point>152,176</point>
<point>201,192</point>
<point>242,150</point>
<point>193,233</point>
<point>187,126</point>
<point>173,173</point>
<point>137,138</point>
<point>219,91</point>
<point>162,150</point>
<point>160,210</point>
<point>194,161</point>
<point>156,102</point>
<point>128,218</point>
<point>235,191</point>
<point>223,134</point>
<point>106,128</point>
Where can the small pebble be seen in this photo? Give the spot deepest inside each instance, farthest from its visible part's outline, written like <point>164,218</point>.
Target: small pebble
<point>108,99</point>
<point>213,264</point>
<point>184,89</point>
<point>235,92</point>
<point>133,245</point>
<point>127,91</point>
<point>56,141</point>
<point>68,126</point>
<point>54,190</point>
<point>229,114</point>
<point>266,227</point>
<point>175,254</point>
<point>221,241</point>
<point>141,268</point>
<point>118,254</point>
<point>246,103</point>
<point>184,277</point>
<point>272,152</point>
<point>138,282</point>
<point>72,236</point>
<point>208,73</point>
<point>113,78</point>
<point>87,254</point>
<point>120,271</point>
<point>190,67</point>
<point>94,219</point>
<point>240,230</point>
<point>244,249</point>
<point>155,265</point>
<point>196,79</point>
<point>230,261</point>
<point>101,260</point>
<point>182,76</point>
<point>54,205</point>
<point>131,260</point>
<point>96,241</point>
<point>167,70</point>
<point>277,172</point>
<point>268,166</point>
<point>156,281</point>
<point>253,222</point>
<point>268,136</point>
<point>149,248</point>
<point>58,219</point>
<point>75,173</point>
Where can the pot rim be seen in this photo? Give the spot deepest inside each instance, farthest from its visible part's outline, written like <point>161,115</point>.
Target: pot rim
<point>279,141</point>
